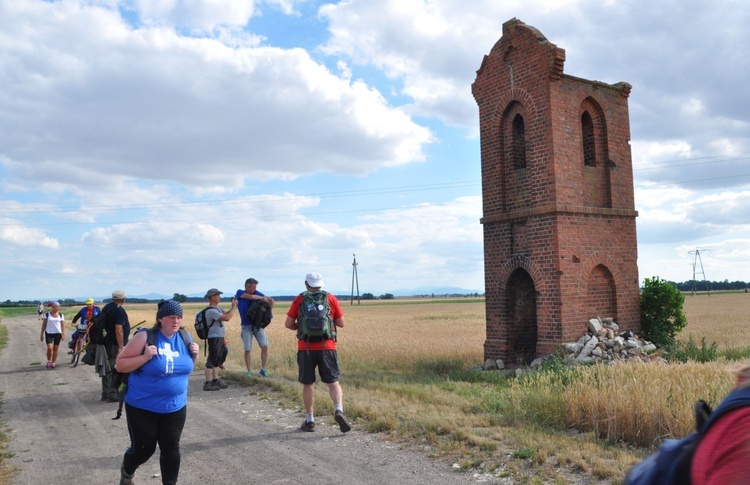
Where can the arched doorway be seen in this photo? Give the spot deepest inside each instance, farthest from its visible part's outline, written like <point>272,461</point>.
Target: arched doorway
<point>522,312</point>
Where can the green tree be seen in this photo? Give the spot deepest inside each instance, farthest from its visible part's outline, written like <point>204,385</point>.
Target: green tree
<point>662,317</point>
<point>368,296</point>
<point>386,296</point>
<point>179,298</point>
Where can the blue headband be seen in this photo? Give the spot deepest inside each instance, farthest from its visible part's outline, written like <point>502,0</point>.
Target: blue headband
<point>169,307</point>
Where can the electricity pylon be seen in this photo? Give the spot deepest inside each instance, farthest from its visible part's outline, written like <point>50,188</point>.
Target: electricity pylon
<point>354,278</point>
<point>696,260</point>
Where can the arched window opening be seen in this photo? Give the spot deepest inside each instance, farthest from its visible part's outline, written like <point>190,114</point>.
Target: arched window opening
<point>519,142</point>
<point>589,140</point>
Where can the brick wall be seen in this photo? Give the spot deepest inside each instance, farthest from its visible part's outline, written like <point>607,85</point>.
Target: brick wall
<point>557,189</point>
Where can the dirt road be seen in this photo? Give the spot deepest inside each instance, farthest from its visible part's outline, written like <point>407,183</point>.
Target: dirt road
<point>61,433</point>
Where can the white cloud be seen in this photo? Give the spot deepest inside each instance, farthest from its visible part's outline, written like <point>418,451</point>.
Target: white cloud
<point>152,104</point>
<point>25,237</point>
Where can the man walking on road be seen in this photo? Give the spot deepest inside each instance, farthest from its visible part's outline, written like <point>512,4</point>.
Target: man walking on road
<point>217,349</point>
<point>244,299</point>
<point>118,331</point>
<point>315,314</point>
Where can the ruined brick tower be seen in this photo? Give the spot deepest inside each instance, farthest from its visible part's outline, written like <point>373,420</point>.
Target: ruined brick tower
<point>557,190</point>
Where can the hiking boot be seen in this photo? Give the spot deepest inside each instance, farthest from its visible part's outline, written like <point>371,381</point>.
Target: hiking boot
<point>126,479</point>
<point>113,399</point>
<point>210,386</point>
<point>264,373</point>
<point>308,426</point>
<point>221,384</point>
<point>341,419</point>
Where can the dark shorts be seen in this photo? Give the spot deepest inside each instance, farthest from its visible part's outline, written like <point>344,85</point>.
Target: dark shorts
<point>326,361</point>
<point>52,338</point>
<point>217,352</point>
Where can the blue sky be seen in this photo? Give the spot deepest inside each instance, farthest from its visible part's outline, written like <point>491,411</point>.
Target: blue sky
<point>172,146</point>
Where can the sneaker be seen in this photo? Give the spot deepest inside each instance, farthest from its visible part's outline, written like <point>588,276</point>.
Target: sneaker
<point>220,383</point>
<point>264,373</point>
<point>210,386</point>
<point>341,419</point>
<point>308,426</point>
<point>53,366</point>
<point>49,365</point>
<point>249,374</point>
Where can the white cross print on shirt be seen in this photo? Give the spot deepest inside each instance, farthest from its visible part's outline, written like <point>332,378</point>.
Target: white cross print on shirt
<point>170,354</point>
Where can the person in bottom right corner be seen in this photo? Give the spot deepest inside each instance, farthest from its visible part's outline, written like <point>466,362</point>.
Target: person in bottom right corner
<point>315,315</point>
<point>723,455</point>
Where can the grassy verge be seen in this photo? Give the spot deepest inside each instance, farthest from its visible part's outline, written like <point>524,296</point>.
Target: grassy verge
<point>14,311</point>
<point>6,471</point>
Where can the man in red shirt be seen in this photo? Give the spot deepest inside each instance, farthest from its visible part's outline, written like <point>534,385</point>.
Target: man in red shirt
<point>723,455</point>
<point>318,352</point>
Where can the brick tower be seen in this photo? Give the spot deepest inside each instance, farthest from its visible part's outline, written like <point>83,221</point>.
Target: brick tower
<point>557,191</point>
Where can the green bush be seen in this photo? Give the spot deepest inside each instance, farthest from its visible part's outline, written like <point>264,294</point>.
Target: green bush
<point>662,317</point>
<point>690,351</point>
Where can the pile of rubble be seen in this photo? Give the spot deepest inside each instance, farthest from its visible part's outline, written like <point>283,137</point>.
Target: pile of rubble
<point>603,343</point>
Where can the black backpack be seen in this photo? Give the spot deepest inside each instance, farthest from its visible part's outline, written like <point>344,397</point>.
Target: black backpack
<point>259,313</point>
<point>121,379</point>
<point>201,326</point>
<point>670,464</point>
<point>98,329</point>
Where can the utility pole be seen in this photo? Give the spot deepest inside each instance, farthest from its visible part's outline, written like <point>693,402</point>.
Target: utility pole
<point>354,278</point>
<point>697,260</point>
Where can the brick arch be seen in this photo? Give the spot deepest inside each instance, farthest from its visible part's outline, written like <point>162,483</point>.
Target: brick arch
<point>514,178</point>
<point>594,154</point>
<point>518,261</point>
<point>598,282</point>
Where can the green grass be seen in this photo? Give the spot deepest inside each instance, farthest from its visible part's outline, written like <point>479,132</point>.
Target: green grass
<point>6,471</point>
<point>6,312</point>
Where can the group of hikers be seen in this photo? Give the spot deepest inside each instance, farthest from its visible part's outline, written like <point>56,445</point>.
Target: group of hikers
<point>157,361</point>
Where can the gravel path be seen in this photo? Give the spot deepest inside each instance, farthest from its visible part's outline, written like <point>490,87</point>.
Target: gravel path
<point>61,433</point>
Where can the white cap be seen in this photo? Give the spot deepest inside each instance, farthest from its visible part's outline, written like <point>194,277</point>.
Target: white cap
<point>315,280</point>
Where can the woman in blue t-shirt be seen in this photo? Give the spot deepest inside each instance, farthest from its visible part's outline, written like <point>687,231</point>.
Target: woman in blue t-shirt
<point>156,399</point>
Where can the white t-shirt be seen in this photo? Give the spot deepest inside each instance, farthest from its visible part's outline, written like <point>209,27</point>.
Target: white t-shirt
<point>54,323</point>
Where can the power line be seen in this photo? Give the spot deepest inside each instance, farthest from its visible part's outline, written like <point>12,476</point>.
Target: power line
<point>246,199</point>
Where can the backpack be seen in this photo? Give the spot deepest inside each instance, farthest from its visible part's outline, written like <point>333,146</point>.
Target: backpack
<point>121,379</point>
<point>259,313</point>
<point>670,464</point>
<point>201,326</point>
<point>98,331</point>
<point>314,318</point>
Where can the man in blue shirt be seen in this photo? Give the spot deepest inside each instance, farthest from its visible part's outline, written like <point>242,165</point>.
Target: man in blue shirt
<point>244,300</point>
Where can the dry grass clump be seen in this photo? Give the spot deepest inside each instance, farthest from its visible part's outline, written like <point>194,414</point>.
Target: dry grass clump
<point>631,402</point>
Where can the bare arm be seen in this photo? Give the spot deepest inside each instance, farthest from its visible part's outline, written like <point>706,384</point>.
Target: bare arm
<point>248,296</point>
<point>291,323</point>
<point>135,354</point>
<point>339,322</point>
<point>120,336</point>
<point>229,313</point>
<point>44,325</point>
